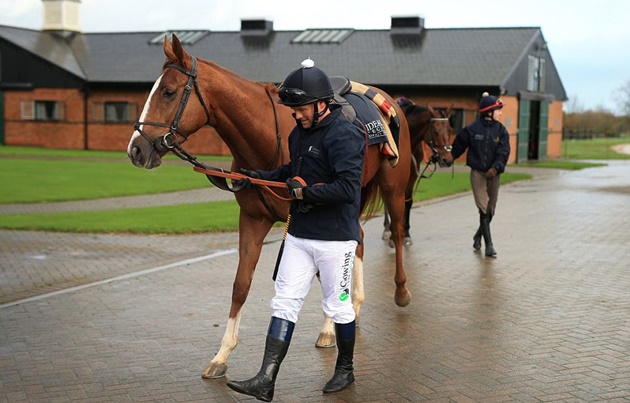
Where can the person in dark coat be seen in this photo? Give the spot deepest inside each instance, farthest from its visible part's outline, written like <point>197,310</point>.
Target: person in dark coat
<point>324,179</point>
<point>488,145</point>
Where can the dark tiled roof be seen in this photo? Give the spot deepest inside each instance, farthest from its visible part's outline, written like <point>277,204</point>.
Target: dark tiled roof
<point>47,46</point>
<point>436,57</point>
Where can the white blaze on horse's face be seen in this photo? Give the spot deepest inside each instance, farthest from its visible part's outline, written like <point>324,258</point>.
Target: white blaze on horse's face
<point>143,116</point>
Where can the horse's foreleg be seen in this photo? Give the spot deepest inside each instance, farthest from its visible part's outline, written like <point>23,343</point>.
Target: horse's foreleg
<point>218,365</point>
<point>408,241</point>
<point>252,233</point>
<point>386,223</point>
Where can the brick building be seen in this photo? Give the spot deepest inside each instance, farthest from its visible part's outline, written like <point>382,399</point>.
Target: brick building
<point>62,88</point>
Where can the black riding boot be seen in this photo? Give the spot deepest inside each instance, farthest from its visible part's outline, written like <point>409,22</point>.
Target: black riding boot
<point>485,231</point>
<point>276,346</point>
<point>344,370</point>
<point>477,239</point>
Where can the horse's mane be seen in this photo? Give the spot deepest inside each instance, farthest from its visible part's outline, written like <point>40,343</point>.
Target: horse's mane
<point>415,109</point>
<point>271,87</point>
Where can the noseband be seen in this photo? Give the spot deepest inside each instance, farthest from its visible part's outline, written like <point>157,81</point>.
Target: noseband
<point>169,140</point>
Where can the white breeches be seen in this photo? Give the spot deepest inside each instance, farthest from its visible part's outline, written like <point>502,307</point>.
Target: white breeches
<point>300,262</point>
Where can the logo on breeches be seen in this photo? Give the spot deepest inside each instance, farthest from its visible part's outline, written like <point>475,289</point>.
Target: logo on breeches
<point>348,262</point>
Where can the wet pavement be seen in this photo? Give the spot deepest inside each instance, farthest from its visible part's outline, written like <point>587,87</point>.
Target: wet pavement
<point>138,318</point>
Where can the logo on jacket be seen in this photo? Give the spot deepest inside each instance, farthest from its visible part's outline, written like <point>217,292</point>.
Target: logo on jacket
<point>313,150</point>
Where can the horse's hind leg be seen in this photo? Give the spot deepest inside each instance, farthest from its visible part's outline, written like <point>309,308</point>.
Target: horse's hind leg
<point>327,334</point>
<point>358,292</point>
<point>407,241</point>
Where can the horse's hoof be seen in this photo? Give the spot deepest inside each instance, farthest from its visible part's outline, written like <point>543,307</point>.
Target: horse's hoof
<point>408,241</point>
<point>214,371</point>
<point>386,235</point>
<point>392,244</point>
<point>403,299</point>
<point>326,340</point>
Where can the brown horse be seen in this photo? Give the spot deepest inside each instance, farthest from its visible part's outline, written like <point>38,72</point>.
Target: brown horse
<point>191,93</point>
<point>431,138</point>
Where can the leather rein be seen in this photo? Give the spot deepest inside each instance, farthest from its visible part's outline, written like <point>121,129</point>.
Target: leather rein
<point>217,176</point>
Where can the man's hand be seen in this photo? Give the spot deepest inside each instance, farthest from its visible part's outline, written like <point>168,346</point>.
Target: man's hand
<point>246,183</point>
<point>251,174</point>
<point>295,187</point>
<point>491,173</point>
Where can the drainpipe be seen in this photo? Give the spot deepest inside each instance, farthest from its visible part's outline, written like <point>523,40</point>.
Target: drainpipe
<point>86,96</point>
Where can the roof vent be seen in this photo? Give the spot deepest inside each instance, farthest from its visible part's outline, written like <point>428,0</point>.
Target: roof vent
<point>256,27</point>
<point>322,36</point>
<point>407,25</point>
<point>185,37</point>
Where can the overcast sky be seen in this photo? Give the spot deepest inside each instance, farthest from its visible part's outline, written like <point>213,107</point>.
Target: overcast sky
<point>589,40</point>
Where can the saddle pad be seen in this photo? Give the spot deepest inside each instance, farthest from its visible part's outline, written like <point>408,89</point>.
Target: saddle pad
<point>367,118</point>
<point>373,115</point>
<point>388,117</point>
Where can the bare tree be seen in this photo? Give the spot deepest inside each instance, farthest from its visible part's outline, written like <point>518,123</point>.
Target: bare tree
<point>624,93</point>
<point>573,105</point>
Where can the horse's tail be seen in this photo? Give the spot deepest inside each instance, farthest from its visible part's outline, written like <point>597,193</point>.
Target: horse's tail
<point>371,200</point>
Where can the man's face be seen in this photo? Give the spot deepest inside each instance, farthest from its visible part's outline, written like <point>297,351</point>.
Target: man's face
<point>497,114</point>
<point>304,114</point>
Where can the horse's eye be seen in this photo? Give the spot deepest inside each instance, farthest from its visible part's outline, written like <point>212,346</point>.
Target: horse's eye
<point>168,93</point>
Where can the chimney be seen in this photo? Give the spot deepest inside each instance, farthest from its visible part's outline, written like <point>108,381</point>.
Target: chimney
<point>412,25</point>
<point>62,16</point>
<point>256,27</point>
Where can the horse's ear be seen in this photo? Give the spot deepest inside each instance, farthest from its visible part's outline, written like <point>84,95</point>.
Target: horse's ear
<point>448,110</point>
<point>180,54</point>
<point>168,50</point>
<point>430,108</point>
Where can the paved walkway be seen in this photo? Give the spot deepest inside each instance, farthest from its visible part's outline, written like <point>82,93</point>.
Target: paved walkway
<point>139,317</point>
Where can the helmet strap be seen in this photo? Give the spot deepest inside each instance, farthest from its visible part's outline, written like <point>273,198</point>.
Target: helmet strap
<point>316,113</point>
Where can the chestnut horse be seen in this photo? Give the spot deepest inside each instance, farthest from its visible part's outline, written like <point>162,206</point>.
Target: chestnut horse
<point>191,93</point>
<point>431,138</point>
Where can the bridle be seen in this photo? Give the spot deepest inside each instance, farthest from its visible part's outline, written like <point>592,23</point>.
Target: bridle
<point>169,141</point>
<point>435,154</point>
<point>434,159</point>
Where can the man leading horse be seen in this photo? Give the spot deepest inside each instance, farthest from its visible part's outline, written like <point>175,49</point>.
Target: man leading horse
<point>324,179</point>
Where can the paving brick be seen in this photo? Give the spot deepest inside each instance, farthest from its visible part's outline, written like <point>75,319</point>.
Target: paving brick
<point>546,321</point>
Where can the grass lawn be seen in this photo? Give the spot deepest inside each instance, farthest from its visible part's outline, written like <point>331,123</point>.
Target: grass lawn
<point>184,219</point>
<point>37,181</point>
<point>199,217</point>
<point>594,149</point>
<point>36,175</point>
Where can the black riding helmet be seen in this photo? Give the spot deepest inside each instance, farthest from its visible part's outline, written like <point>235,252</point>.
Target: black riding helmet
<point>489,103</point>
<point>305,85</point>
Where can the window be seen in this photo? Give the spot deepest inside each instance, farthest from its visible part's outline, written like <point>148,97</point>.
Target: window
<point>116,112</point>
<point>455,119</point>
<point>42,110</point>
<point>113,112</point>
<point>536,74</point>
